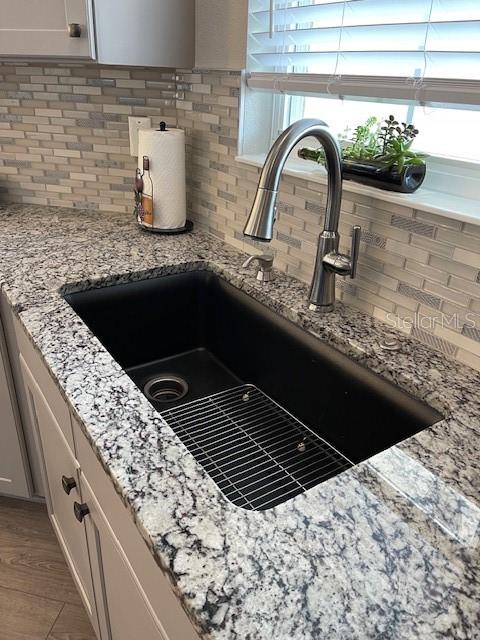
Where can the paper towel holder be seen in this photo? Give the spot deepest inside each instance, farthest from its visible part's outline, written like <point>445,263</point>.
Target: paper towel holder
<point>188,226</point>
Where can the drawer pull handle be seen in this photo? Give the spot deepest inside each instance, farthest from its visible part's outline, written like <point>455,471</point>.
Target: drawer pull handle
<point>80,510</point>
<point>68,483</point>
<point>74,30</point>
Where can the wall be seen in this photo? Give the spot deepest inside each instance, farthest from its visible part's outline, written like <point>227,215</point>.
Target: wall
<point>415,268</point>
<point>64,131</point>
<point>220,34</point>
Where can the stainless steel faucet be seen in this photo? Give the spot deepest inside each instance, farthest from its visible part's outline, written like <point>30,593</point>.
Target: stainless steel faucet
<point>329,261</point>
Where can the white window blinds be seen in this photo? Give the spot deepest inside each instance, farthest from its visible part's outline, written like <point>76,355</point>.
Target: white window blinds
<point>427,50</point>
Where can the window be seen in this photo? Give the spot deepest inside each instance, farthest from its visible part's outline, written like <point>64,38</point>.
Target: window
<point>345,60</point>
<point>425,50</point>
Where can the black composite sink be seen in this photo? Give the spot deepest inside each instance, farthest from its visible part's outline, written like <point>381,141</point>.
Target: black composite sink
<point>197,328</point>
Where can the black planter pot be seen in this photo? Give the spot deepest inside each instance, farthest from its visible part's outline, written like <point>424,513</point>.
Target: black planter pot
<point>376,175</point>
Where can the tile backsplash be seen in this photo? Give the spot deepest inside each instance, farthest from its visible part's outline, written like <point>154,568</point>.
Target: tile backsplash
<point>64,141</point>
<point>417,271</point>
<point>64,131</point>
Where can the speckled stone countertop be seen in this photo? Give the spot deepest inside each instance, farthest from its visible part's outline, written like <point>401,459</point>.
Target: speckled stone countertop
<point>388,549</point>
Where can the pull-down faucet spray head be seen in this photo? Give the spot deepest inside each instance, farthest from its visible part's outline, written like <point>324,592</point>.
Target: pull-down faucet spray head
<point>262,215</point>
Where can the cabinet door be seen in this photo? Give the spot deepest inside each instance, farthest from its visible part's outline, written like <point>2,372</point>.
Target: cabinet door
<point>40,28</point>
<point>13,468</point>
<point>32,464</point>
<point>126,612</point>
<point>59,464</point>
<point>158,33</point>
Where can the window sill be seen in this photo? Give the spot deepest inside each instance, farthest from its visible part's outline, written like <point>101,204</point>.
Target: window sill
<point>436,202</point>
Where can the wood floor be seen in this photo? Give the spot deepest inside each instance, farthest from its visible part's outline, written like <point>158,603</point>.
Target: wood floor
<point>38,600</point>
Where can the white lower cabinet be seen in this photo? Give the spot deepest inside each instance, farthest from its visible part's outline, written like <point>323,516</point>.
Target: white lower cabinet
<point>61,478</point>
<point>127,613</point>
<point>14,471</point>
<point>125,593</point>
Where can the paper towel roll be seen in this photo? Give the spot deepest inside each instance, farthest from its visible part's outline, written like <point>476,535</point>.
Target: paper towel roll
<point>166,151</point>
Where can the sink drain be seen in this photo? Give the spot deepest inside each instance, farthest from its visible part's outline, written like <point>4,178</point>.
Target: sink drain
<point>165,388</point>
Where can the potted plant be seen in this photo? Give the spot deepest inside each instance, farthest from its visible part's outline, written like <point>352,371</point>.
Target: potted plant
<point>380,155</point>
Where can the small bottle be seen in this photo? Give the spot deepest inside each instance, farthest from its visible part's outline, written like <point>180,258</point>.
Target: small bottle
<point>147,193</point>
<point>138,196</point>
<point>138,182</point>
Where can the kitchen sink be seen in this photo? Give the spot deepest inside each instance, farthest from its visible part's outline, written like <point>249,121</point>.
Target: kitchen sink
<point>266,408</point>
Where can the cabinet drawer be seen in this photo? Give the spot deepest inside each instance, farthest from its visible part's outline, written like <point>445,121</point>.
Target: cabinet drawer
<point>44,380</point>
<point>155,585</point>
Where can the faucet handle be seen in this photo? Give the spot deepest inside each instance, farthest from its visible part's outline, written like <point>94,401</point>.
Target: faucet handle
<point>355,250</point>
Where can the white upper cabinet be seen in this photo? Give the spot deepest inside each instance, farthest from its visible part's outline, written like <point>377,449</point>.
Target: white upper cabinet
<point>157,33</point>
<point>47,28</point>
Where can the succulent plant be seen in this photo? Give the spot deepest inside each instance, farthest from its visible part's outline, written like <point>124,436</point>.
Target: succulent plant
<point>396,139</point>
<point>387,143</point>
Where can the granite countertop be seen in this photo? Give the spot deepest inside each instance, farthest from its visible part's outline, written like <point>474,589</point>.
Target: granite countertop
<point>388,549</point>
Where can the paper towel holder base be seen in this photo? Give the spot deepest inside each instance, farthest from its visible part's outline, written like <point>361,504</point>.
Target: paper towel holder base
<point>169,232</point>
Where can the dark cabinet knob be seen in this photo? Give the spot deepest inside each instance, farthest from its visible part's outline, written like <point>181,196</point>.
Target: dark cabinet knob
<point>68,484</point>
<point>80,510</point>
<point>74,30</point>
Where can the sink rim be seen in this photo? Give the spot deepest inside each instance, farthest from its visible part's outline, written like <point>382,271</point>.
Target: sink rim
<point>300,319</point>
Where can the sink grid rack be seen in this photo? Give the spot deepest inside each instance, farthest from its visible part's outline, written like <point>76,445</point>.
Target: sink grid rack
<point>257,453</point>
